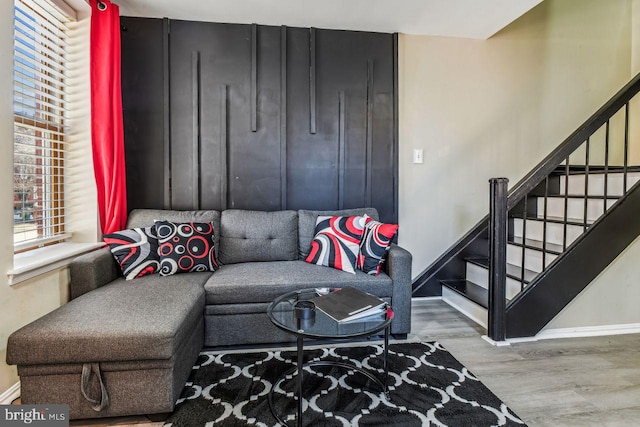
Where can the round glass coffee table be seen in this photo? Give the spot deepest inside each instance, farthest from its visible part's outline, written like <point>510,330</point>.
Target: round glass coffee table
<point>320,326</point>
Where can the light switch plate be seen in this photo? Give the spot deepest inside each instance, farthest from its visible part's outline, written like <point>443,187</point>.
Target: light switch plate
<point>418,156</point>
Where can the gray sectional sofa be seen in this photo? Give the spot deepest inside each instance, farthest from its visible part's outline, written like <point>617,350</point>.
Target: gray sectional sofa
<point>127,347</point>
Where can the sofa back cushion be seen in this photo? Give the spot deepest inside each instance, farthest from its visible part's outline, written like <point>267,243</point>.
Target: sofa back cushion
<point>307,225</point>
<point>147,218</point>
<point>248,236</point>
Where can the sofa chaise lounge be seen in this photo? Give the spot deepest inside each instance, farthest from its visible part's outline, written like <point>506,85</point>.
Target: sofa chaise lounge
<point>127,347</point>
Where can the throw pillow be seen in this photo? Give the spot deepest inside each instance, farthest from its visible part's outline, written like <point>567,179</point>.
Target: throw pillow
<point>375,243</point>
<point>135,250</point>
<point>186,247</point>
<point>336,242</point>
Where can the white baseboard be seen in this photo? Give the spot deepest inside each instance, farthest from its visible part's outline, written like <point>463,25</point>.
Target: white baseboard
<point>577,332</point>
<point>10,395</point>
<point>496,343</point>
<point>589,331</point>
<point>418,299</point>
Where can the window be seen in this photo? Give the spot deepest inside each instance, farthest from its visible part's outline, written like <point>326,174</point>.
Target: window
<point>40,32</point>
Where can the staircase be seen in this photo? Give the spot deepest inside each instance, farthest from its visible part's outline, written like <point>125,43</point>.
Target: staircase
<point>551,235</point>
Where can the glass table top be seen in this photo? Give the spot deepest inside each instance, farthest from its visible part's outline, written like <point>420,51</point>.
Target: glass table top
<point>320,325</point>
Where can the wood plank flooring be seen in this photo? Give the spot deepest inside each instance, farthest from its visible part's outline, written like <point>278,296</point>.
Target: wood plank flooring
<point>563,382</point>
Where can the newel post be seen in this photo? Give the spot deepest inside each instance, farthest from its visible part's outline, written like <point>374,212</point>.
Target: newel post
<point>497,258</point>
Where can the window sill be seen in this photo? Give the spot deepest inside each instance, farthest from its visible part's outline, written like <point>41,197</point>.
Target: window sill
<point>28,265</point>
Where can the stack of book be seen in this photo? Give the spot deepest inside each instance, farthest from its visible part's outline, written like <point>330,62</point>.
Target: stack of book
<point>348,304</point>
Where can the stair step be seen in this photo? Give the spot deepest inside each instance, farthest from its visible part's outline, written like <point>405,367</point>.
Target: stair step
<point>575,207</point>
<point>615,185</point>
<point>550,248</point>
<point>469,290</point>
<point>555,219</point>
<point>513,271</point>
<point>594,169</point>
<point>533,258</point>
<point>555,231</point>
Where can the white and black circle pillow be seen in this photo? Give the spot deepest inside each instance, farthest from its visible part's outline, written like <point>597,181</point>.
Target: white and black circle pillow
<point>185,247</point>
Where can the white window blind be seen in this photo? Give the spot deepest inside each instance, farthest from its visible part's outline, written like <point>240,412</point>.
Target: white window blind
<point>40,49</point>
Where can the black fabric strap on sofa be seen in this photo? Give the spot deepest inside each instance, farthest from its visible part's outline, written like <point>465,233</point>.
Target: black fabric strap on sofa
<point>87,369</point>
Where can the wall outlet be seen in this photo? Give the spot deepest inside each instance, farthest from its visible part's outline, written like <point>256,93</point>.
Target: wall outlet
<point>418,156</point>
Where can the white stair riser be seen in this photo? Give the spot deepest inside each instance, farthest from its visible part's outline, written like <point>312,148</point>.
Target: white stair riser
<point>469,308</point>
<point>575,208</point>
<point>615,183</point>
<point>477,275</point>
<point>555,231</point>
<point>480,276</point>
<point>532,258</point>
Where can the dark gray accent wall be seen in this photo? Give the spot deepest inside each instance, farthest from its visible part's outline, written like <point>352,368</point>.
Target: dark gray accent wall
<point>222,116</point>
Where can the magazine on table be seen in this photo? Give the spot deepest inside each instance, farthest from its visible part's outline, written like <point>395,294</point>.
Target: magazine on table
<point>348,304</point>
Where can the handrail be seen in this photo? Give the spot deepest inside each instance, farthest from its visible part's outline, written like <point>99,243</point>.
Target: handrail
<point>569,145</point>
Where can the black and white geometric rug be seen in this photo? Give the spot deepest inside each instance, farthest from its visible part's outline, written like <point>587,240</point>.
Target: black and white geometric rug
<point>428,386</point>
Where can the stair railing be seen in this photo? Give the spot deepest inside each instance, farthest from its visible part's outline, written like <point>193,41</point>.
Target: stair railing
<point>537,184</point>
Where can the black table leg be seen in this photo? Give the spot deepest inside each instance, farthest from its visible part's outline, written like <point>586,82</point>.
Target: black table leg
<point>386,360</point>
<point>299,378</point>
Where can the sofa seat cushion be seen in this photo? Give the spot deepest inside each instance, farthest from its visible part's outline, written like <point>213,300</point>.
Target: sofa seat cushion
<point>147,319</point>
<point>260,282</point>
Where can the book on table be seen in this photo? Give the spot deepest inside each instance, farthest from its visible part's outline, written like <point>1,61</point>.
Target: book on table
<point>348,304</point>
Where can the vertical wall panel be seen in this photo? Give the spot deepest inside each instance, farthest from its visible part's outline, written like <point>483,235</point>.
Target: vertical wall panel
<point>262,118</point>
<point>341,149</point>
<point>256,155</point>
<point>313,120</point>
<point>142,101</point>
<point>311,158</point>
<point>254,77</point>
<point>166,113</point>
<point>383,175</point>
<point>283,117</point>
<point>182,114</point>
<point>195,129</point>
<point>369,139</point>
<point>395,125</point>
<point>223,158</point>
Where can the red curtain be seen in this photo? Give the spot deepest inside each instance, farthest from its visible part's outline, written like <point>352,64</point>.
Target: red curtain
<point>106,116</point>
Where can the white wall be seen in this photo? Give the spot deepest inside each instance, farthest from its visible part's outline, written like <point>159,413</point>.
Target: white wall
<point>25,302</point>
<point>491,108</point>
<point>611,299</point>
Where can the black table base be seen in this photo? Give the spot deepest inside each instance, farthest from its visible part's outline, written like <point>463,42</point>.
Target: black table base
<point>381,382</point>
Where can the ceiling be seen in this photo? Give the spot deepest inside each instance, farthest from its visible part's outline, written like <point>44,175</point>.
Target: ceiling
<point>477,19</point>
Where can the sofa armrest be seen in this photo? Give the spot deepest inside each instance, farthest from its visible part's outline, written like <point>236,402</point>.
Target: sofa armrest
<point>398,267</point>
<point>92,270</point>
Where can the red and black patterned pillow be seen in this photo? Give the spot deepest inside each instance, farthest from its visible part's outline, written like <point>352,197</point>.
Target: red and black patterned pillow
<point>135,250</point>
<point>336,242</point>
<point>186,247</point>
<point>376,240</point>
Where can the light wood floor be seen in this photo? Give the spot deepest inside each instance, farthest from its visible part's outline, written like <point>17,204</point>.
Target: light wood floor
<point>564,382</point>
